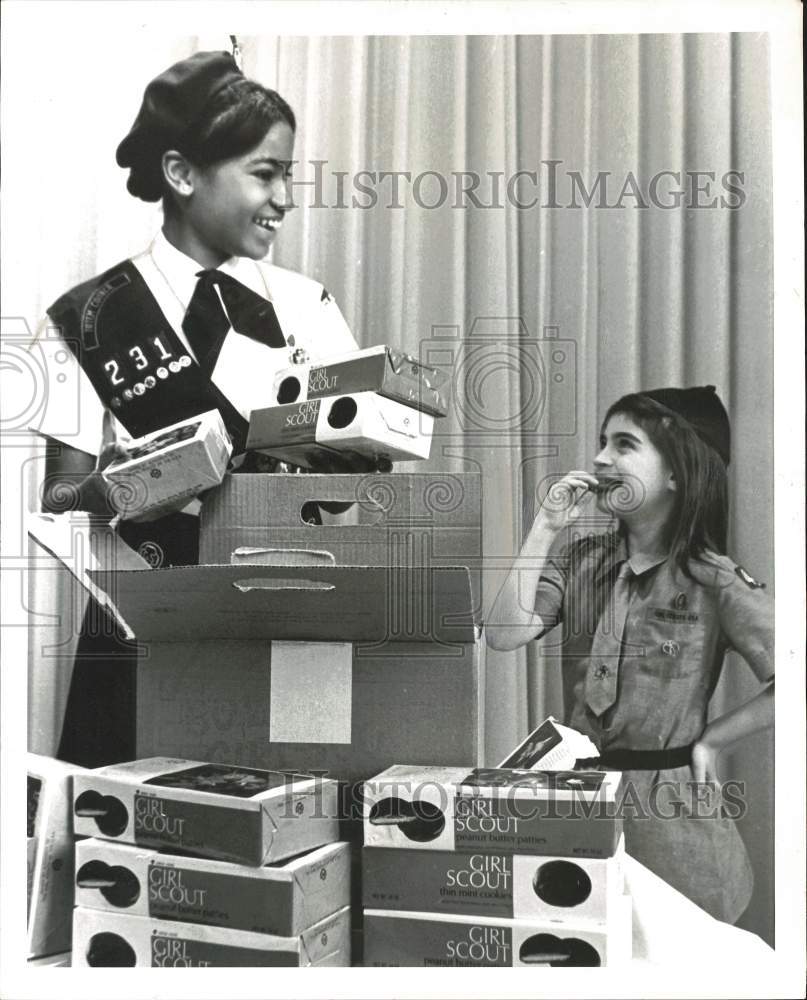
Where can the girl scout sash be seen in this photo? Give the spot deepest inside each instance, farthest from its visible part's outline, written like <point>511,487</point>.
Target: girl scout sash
<point>137,365</point>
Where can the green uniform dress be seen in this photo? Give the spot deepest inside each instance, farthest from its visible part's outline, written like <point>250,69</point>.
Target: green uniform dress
<point>642,646</point>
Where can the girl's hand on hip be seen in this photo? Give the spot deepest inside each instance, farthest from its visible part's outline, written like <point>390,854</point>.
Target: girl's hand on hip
<point>562,504</point>
<point>704,763</point>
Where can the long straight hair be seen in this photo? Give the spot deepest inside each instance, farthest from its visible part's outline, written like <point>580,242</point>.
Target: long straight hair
<point>699,519</point>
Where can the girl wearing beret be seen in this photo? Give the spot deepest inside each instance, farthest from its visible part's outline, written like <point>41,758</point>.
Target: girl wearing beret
<point>646,614</point>
<point>198,321</point>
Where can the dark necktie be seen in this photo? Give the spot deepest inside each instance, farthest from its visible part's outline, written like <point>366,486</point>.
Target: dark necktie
<point>206,324</point>
<point>602,681</point>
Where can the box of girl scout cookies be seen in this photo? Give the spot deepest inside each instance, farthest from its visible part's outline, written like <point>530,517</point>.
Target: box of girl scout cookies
<point>570,814</point>
<point>169,466</point>
<point>51,845</point>
<point>282,899</point>
<point>438,940</point>
<point>493,883</point>
<point>104,939</point>
<point>378,369</point>
<point>220,811</point>
<point>362,423</point>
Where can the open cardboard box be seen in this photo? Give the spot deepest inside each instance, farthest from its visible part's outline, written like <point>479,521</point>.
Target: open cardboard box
<point>208,642</point>
<point>395,519</point>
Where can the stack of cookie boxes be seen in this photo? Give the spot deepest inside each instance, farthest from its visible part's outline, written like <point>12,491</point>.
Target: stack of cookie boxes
<point>377,402</point>
<point>493,867</point>
<point>255,876</point>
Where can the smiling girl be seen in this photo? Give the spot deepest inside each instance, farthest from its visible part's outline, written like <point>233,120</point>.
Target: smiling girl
<point>648,612</point>
<point>198,321</point>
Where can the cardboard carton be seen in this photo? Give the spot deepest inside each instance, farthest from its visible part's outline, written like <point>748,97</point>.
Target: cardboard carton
<point>214,810</point>
<point>378,369</point>
<point>419,519</point>
<point>362,423</point>
<point>50,831</point>
<point>427,939</point>
<point>281,899</point>
<point>570,814</point>
<point>495,884</point>
<point>103,939</point>
<point>170,466</point>
<point>209,637</point>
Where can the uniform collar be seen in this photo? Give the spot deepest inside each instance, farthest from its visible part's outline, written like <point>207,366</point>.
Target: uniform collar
<point>639,563</point>
<point>180,270</point>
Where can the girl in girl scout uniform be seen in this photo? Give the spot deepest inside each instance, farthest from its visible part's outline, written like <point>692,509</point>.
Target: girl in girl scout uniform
<point>647,614</point>
<point>196,322</point>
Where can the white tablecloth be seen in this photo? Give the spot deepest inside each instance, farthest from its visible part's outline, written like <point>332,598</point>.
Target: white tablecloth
<point>669,929</point>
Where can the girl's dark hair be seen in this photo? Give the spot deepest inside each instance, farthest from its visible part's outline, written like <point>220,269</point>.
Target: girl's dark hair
<point>232,123</point>
<point>699,521</point>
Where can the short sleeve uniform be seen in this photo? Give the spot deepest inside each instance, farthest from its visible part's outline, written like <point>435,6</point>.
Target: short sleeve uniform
<point>656,672</point>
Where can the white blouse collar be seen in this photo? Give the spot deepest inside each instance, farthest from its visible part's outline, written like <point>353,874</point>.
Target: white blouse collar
<point>180,270</point>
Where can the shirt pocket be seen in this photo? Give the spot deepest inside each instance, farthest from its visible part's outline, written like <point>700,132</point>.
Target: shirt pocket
<point>670,646</point>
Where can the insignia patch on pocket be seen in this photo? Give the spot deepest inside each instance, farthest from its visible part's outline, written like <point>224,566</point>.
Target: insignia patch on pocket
<point>747,579</point>
<point>679,602</point>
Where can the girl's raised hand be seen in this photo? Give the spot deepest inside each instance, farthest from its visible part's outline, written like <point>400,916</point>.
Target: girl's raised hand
<point>562,504</point>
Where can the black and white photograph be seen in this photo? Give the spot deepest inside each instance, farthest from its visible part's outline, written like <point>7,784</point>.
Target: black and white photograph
<point>497,312</point>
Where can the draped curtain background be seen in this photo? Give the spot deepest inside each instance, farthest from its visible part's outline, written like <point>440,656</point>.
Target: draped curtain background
<point>635,297</point>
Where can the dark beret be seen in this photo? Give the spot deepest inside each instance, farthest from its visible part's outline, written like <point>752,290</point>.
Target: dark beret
<point>701,407</point>
<point>173,100</point>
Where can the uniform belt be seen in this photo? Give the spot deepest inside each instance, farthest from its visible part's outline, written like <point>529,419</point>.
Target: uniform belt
<point>640,760</point>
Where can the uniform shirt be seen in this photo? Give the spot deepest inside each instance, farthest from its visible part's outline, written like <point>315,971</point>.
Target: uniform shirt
<point>676,633</point>
<point>675,638</point>
<point>245,369</point>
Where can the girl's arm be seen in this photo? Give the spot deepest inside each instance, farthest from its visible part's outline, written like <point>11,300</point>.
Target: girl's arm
<point>721,733</point>
<point>513,621</point>
<point>73,478</point>
<point>747,620</point>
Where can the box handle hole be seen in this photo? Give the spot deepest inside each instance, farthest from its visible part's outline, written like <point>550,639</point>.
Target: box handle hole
<point>117,884</point>
<point>109,950</point>
<point>546,949</point>
<point>110,814</point>
<point>562,883</point>
<point>343,412</point>
<point>419,821</point>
